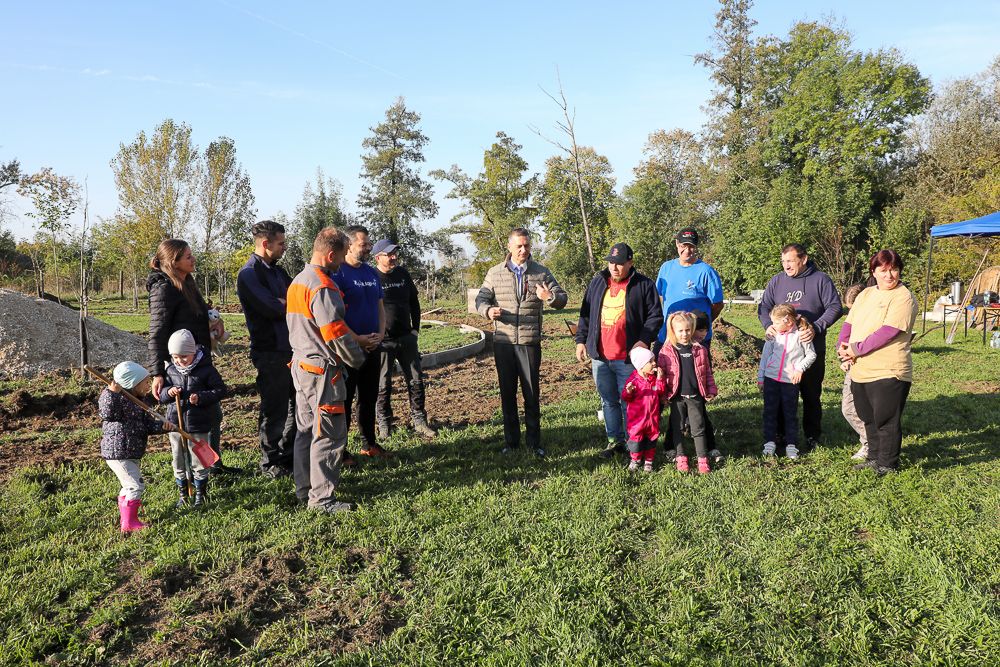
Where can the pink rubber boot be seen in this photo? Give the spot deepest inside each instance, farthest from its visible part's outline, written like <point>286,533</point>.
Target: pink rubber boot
<point>130,515</point>
<point>682,463</point>
<point>703,468</point>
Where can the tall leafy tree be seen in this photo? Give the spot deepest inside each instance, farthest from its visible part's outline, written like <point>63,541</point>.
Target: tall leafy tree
<point>54,198</point>
<point>954,174</point>
<point>827,127</point>
<point>225,198</point>
<point>10,176</point>
<point>558,202</point>
<point>394,197</point>
<point>321,206</point>
<point>494,202</point>
<point>732,64</point>
<point>156,176</point>
<point>668,193</point>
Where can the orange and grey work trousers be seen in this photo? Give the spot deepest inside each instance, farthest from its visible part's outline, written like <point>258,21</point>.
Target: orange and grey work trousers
<point>321,437</point>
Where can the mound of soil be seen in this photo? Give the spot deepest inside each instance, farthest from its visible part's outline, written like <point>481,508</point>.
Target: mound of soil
<point>734,348</point>
<point>39,336</point>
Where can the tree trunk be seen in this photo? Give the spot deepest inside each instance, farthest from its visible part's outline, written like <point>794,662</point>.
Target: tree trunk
<point>121,283</point>
<point>135,292</point>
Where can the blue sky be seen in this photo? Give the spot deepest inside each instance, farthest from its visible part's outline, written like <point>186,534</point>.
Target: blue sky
<point>298,85</point>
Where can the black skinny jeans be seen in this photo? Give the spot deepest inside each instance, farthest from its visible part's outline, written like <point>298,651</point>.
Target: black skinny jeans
<point>405,350</point>
<point>276,418</point>
<point>363,382</point>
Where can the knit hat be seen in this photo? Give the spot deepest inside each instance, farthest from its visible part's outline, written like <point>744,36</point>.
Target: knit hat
<point>181,342</point>
<point>640,356</point>
<point>129,374</point>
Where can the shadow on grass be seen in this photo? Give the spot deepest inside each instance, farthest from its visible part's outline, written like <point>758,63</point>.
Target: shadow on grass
<point>971,417</point>
<point>474,459</point>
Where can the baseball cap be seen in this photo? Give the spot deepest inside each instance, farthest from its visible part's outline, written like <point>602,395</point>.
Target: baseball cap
<point>687,235</point>
<point>620,253</point>
<point>384,246</point>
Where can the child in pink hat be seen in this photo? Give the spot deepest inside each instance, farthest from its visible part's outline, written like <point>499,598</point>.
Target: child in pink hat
<point>643,391</point>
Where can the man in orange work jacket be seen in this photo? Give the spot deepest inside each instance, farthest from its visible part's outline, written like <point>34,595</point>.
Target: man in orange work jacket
<point>321,345</point>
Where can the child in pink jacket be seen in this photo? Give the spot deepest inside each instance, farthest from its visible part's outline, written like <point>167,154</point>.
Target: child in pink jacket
<point>643,392</point>
<point>689,385</point>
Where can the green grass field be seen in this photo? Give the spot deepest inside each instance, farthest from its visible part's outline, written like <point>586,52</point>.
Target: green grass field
<point>459,556</point>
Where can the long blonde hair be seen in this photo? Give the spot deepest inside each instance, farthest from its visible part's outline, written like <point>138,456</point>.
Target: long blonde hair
<point>679,315</point>
<point>167,254</point>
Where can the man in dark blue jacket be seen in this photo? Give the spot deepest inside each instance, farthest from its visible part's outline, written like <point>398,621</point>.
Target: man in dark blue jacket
<point>814,296</point>
<point>620,311</point>
<point>262,286</point>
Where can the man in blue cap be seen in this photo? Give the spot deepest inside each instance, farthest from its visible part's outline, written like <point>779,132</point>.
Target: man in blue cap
<point>402,326</point>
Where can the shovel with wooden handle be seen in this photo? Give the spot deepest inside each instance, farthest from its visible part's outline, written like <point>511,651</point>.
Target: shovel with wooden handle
<point>201,449</point>
<point>184,443</point>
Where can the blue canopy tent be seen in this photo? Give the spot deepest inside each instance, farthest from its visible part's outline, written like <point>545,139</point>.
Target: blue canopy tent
<point>988,225</point>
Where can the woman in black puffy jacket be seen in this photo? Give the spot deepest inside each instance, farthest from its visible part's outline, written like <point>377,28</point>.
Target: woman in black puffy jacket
<point>175,303</point>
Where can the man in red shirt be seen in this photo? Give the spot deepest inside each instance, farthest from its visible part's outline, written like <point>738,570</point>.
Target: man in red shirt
<point>620,311</point>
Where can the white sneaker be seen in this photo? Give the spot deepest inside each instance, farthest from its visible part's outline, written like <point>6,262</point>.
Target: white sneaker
<point>861,454</point>
<point>791,451</point>
<point>769,448</point>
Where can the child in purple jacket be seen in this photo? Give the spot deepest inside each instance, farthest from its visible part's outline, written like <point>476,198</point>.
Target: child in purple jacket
<point>124,430</point>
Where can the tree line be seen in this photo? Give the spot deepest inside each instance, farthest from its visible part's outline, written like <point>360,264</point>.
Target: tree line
<point>807,139</point>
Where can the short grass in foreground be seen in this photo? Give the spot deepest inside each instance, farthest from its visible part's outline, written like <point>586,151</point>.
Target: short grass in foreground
<point>457,555</point>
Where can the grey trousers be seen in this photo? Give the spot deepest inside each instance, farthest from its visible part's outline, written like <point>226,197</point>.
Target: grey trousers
<point>850,412</point>
<point>321,437</point>
<point>182,457</point>
<point>127,472</point>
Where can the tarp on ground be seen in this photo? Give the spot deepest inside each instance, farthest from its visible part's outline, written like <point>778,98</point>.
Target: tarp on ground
<point>988,225</point>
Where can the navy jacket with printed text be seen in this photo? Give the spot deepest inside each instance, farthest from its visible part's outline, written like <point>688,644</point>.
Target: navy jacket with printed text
<point>811,292</point>
<point>402,302</point>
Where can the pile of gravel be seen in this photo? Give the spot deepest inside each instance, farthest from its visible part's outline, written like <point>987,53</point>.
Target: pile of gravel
<point>39,336</point>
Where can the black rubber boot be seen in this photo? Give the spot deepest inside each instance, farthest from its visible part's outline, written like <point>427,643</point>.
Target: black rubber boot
<point>200,492</point>
<point>182,488</point>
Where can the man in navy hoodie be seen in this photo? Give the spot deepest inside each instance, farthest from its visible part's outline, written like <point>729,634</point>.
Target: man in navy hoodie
<point>814,296</point>
<point>262,285</point>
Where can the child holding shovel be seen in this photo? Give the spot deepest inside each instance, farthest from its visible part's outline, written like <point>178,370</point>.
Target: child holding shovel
<point>192,387</point>
<point>124,429</point>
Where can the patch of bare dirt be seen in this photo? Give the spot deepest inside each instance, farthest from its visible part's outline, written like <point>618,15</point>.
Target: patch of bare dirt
<point>980,387</point>
<point>223,616</point>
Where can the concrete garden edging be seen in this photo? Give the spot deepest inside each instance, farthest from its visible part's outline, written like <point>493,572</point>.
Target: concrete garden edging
<point>445,357</point>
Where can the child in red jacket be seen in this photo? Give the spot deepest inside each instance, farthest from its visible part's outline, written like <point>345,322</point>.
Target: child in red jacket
<point>643,391</point>
<point>689,385</point>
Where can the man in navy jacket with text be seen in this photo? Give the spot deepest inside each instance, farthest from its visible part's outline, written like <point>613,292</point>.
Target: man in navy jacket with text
<point>814,296</point>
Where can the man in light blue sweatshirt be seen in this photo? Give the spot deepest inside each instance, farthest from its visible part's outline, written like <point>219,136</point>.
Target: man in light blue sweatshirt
<point>813,295</point>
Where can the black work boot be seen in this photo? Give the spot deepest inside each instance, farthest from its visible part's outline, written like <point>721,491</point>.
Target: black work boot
<point>422,428</point>
<point>200,492</point>
<point>182,488</point>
